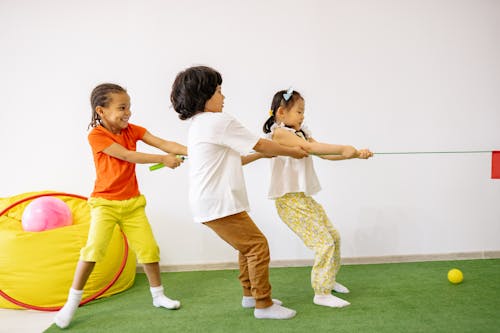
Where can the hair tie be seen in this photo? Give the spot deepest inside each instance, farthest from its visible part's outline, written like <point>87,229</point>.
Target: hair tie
<point>271,112</point>
<point>288,94</point>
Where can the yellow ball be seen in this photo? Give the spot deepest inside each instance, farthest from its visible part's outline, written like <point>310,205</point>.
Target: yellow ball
<point>455,276</point>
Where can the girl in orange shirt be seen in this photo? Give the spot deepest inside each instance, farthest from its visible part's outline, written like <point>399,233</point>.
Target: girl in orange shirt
<point>116,198</point>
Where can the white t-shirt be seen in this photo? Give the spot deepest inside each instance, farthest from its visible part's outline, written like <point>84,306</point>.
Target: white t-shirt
<point>216,183</point>
<point>291,175</point>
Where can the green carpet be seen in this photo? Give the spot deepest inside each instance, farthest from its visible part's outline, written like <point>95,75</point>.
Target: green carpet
<point>406,297</point>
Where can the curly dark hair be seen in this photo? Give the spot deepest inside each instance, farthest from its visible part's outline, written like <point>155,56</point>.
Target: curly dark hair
<point>192,88</point>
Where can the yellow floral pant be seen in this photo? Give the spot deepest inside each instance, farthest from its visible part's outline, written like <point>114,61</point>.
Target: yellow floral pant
<point>308,220</point>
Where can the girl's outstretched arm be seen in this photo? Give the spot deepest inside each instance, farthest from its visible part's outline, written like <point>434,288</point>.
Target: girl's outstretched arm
<point>361,153</point>
<point>118,151</point>
<point>170,147</point>
<point>289,139</point>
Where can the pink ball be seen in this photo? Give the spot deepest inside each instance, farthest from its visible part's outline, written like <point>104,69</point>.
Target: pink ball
<point>46,213</point>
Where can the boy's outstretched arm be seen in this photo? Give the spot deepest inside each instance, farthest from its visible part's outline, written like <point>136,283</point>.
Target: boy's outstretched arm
<point>269,147</point>
<point>246,159</point>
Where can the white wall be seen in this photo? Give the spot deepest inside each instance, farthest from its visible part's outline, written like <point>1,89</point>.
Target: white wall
<point>391,75</point>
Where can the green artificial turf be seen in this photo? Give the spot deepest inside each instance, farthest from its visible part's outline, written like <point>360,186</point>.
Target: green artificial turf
<point>405,297</point>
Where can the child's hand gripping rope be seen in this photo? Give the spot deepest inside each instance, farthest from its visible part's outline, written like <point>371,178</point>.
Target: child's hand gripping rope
<point>161,165</point>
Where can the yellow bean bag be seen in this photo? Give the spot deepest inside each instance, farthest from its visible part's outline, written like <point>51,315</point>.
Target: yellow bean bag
<point>36,268</point>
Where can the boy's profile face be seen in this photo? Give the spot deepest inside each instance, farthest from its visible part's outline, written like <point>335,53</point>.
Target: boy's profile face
<point>216,102</point>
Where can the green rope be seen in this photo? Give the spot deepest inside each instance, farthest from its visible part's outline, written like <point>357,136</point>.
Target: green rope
<point>423,152</point>
<point>436,152</point>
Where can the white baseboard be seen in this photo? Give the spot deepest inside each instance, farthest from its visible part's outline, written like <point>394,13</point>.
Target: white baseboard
<point>345,261</point>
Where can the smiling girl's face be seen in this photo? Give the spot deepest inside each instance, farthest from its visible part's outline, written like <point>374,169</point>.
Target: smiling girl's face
<point>115,116</point>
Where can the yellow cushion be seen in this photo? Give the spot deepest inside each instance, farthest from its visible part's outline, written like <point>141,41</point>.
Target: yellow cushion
<point>36,268</point>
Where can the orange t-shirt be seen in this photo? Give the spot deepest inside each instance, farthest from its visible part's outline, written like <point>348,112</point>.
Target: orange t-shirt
<point>115,178</point>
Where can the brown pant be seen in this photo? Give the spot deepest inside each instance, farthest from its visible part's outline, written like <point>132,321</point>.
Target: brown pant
<point>241,233</point>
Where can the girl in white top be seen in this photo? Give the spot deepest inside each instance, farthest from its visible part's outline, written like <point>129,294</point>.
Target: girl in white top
<point>217,193</point>
<point>293,182</point>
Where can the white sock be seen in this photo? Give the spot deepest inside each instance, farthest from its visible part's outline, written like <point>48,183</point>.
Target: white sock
<point>330,300</point>
<point>274,311</point>
<point>338,288</point>
<point>160,300</point>
<point>249,302</point>
<point>64,316</point>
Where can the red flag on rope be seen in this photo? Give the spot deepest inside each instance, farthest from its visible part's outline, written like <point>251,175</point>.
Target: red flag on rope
<point>495,164</point>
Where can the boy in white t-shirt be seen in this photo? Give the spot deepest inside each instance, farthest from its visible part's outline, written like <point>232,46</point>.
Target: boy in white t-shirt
<point>217,193</point>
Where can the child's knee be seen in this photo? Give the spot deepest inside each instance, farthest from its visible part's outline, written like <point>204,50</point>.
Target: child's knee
<point>327,244</point>
<point>92,256</point>
<point>262,247</point>
<point>148,254</point>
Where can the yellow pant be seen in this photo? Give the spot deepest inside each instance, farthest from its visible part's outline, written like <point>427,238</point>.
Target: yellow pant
<point>308,220</point>
<point>130,215</point>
